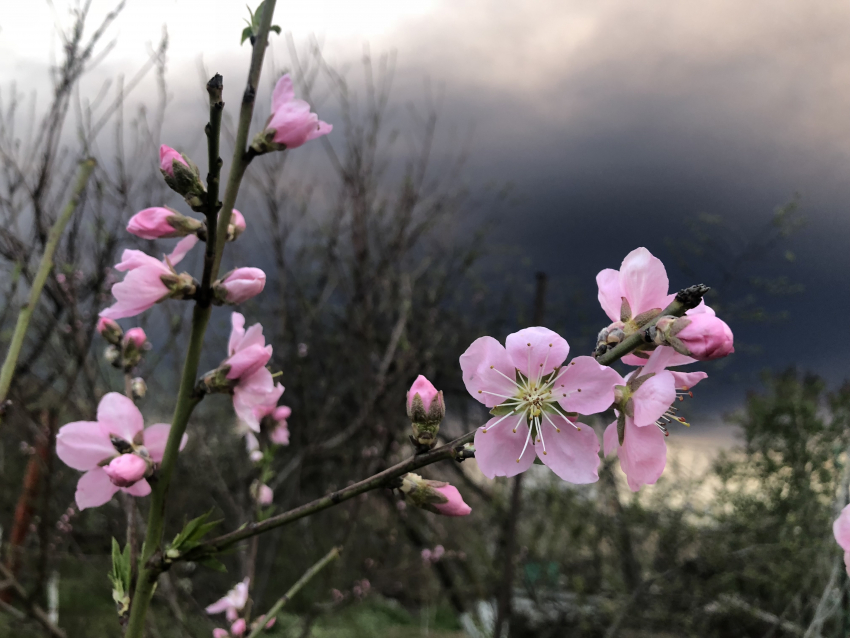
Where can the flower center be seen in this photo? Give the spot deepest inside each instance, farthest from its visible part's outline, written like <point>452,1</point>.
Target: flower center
<point>670,415</point>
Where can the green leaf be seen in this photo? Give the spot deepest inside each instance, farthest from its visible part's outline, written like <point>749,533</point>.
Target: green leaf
<point>214,564</point>
<point>247,32</point>
<point>193,532</point>
<point>275,28</point>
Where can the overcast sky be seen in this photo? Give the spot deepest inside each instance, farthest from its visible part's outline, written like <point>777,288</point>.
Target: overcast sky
<point>614,120</point>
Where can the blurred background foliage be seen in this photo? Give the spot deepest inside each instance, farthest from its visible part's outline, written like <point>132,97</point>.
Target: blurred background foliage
<point>374,276</point>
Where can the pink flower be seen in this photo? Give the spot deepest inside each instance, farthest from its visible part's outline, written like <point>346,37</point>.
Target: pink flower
<point>705,336</point>
<point>240,285</point>
<point>455,506</point>
<point>143,287</point>
<point>167,157</point>
<point>280,433</point>
<point>533,395</point>
<point>236,226</point>
<point>153,223</point>
<point>218,632</point>
<point>119,431</point>
<point>265,495</point>
<point>426,555</point>
<point>135,336</point>
<point>238,627</point>
<point>256,394</point>
<point>126,470</point>
<point>643,454</point>
<point>291,120</point>
<point>426,391</point>
<point>841,531</point>
<point>438,553</point>
<point>233,602</point>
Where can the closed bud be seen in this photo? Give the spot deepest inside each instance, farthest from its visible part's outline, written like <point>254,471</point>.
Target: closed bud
<point>134,342</point>
<point>109,330</point>
<point>239,285</point>
<point>236,226</point>
<point>139,388</point>
<point>435,496</point>
<point>263,494</point>
<point>127,469</point>
<point>701,336</point>
<point>182,176</point>
<point>426,409</point>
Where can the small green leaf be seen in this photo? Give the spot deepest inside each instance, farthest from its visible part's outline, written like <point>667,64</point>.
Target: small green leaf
<point>214,564</point>
<point>247,32</point>
<point>275,28</point>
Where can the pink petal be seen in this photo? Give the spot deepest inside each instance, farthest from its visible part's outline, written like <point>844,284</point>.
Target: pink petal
<point>255,396</point>
<point>82,445</point>
<point>155,438</point>
<point>571,454</point>
<point>237,331</point>
<point>183,246</point>
<point>498,449</point>
<point>142,488</point>
<point>141,289</point>
<point>643,454</point>
<point>536,351</point>
<point>94,489</point>
<point>595,381</point>
<point>702,308</point>
<point>283,92</point>
<point>633,360</point>
<point>664,357</point>
<point>455,506</point>
<point>119,415</point>
<point>643,280</point>
<point>246,361</point>
<point>133,259</point>
<point>653,398</point>
<point>322,129</point>
<point>687,379</point>
<point>488,373</point>
<point>841,529</point>
<point>610,440</point>
<point>610,294</point>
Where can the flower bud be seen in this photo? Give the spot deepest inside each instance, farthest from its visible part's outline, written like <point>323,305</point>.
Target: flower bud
<point>218,632</point>
<point>132,345</point>
<point>182,176</point>
<point>162,222</point>
<point>135,337</point>
<point>238,628</point>
<point>263,494</point>
<point>109,330</point>
<point>239,286</point>
<point>139,388</point>
<point>276,422</point>
<point>426,410</point>
<point>435,496</point>
<point>126,470</point>
<point>701,336</point>
<point>236,226</point>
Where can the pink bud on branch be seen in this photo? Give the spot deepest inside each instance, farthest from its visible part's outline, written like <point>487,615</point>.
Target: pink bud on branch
<point>239,285</point>
<point>161,223</point>
<point>290,124</point>
<point>435,496</point>
<point>426,409</point>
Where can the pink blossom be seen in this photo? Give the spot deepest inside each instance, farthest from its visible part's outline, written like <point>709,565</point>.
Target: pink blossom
<point>218,632</point>
<point>143,286</point>
<point>238,627</point>
<point>136,337</point>
<point>256,393</point>
<point>455,506</point>
<point>643,454</point>
<point>236,226</point>
<point>291,120</point>
<point>426,555</point>
<point>280,434</point>
<point>153,223</point>
<point>233,602</point>
<point>841,531</point>
<point>126,470</point>
<point>705,336</point>
<point>438,553</point>
<point>533,397</point>
<point>240,285</point>
<point>167,157</point>
<point>118,431</point>
<point>426,391</point>
<point>265,495</point>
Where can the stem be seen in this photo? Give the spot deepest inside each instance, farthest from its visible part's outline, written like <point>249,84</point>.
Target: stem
<point>382,479</point>
<point>308,575</point>
<point>241,157</point>
<point>685,300</point>
<point>83,173</point>
<point>187,399</point>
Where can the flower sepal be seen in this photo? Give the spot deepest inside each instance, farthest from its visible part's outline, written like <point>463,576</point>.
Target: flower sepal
<point>185,179</point>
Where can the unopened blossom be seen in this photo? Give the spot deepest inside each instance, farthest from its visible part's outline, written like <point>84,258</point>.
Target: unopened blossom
<point>236,226</point>
<point>645,405</point>
<point>239,285</point>
<point>238,627</point>
<point>167,157</point>
<point>109,330</point>
<point>426,409</point>
<point>534,399</point>
<point>262,493</point>
<point>701,336</point>
<point>218,632</point>
<point>280,429</point>
<point>160,223</point>
<point>233,602</point>
<point>149,281</point>
<point>455,505</point>
<point>119,431</point>
<point>135,337</point>
<point>255,391</point>
<point>841,531</point>
<point>291,123</point>
<point>435,496</point>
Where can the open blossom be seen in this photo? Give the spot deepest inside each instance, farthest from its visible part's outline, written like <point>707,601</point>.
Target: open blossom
<point>233,602</point>
<point>240,285</point>
<point>167,157</point>
<point>255,393</point>
<point>644,406</point>
<point>145,284</point>
<point>291,123</point>
<point>115,452</point>
<point>841,531</point>
<point>534,397</point>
